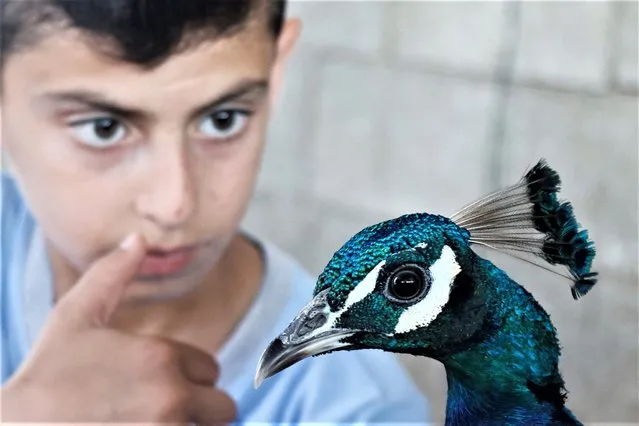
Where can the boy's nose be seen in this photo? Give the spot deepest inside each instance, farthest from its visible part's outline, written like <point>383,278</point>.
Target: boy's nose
<point>168,199</point>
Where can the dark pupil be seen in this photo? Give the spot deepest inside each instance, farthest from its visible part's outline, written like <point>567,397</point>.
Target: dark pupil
<point>106,127</point>
<point>223,120</point>
<point>406,284</point>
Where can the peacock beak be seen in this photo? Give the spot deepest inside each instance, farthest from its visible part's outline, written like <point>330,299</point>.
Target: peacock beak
<point>311,333</point>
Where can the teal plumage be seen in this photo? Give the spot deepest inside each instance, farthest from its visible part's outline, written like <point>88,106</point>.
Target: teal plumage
<point>414,285</point>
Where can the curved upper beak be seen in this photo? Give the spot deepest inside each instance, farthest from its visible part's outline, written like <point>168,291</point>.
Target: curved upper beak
<point>311,333</point>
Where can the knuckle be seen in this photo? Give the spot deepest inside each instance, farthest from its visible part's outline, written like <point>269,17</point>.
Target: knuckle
<point>171,404</point>
<point>231,409</point>
<point>157,354</point>
<point>215,374</point>
<point>215,366</point>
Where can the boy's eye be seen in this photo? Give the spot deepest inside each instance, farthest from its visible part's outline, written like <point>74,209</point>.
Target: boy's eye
<point>224,124</point>
<point>99,132</point>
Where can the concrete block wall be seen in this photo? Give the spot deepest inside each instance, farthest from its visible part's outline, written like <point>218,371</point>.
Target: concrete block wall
<point>396,107</point>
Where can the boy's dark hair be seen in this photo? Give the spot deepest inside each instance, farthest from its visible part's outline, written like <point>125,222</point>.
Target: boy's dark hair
<point>144,32</point>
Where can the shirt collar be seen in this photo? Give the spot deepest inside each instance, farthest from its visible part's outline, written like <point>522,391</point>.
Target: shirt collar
<point>37,289</point>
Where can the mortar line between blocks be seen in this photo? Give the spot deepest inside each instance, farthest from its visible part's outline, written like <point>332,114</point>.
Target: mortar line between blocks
<point>503,78</point>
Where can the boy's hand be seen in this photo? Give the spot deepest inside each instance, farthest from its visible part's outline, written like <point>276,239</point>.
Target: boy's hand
<point>82,371</point>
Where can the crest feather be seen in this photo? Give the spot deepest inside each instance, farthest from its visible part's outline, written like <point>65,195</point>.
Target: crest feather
<point>528,218</point>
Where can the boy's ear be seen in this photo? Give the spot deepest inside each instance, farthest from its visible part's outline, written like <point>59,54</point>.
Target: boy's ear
<point>285,44</point>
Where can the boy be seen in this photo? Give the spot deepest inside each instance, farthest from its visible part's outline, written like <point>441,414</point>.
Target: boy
<point>147,119</point>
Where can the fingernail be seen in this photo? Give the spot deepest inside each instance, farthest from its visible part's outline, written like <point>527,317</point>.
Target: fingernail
<point>128,242</point>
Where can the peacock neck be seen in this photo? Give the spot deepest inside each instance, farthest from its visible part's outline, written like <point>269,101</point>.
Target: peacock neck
<point>473,401</point>
<point>510,377</point>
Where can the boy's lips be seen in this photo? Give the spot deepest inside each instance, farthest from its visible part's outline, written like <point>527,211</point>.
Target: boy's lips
<point>158,262</point>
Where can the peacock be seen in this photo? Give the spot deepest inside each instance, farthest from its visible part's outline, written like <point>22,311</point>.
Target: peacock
<point>414,285</point>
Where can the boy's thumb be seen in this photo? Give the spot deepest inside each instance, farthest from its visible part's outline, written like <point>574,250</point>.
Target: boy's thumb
<point>94,298</point>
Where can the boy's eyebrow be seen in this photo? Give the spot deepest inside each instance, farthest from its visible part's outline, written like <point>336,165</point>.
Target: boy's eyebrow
<point>99,101</point>
<point>244,88</point>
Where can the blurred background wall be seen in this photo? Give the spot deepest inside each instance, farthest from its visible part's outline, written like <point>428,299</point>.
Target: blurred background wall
<point>397,107</point>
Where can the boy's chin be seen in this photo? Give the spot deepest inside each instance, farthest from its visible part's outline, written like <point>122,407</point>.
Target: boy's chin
<point>165,287</point>
<point>161,290</point>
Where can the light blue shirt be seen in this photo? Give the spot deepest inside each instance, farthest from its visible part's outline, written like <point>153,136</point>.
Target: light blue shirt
<point>362,386</point>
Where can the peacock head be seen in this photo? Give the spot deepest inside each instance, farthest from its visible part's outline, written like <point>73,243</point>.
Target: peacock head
<point>396,286</point>
<point>414,285</point>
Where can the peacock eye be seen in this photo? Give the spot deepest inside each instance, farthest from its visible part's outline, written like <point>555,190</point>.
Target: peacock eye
<point>407,283</point>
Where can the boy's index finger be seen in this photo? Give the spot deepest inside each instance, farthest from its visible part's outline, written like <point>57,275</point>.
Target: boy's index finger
<point>94,298</point>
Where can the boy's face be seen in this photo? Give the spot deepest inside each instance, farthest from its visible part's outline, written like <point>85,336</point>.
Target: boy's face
<point>102,148</point>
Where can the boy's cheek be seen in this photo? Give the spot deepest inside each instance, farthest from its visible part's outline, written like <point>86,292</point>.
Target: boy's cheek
<point>82,229</point>
<point>76,216</point>
<point>37,148</point>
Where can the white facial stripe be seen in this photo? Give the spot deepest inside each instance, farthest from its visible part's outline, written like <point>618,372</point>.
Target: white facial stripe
<point>364,288</point>
<point>443,273</point>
